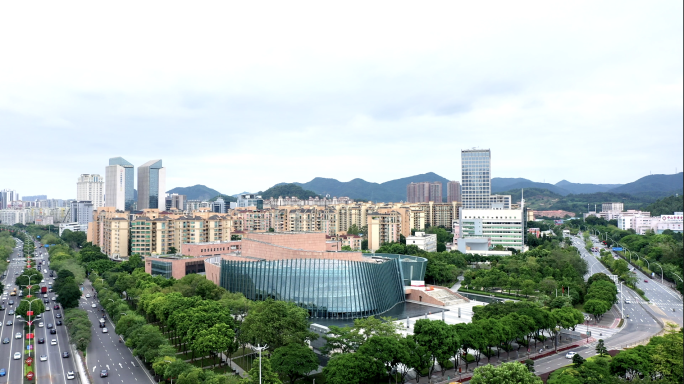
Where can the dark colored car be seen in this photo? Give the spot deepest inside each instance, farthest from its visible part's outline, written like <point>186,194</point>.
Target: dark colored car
<point>2,307</point>
<point>53,331</point>
<point>46,301</point>
<point>103,373</point>
<point>41,340</point>
<point>65,354</point>
<point>6,340</point>
<point>49,325</point>
<point>55,307</point>
<point>59,322</point>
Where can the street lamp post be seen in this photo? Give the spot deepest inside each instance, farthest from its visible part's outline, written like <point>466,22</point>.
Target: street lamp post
<point>29,317</point>
<point>662,276</point>
<point>259,348</point>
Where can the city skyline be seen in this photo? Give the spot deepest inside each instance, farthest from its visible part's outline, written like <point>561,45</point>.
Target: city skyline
<point>544,78</point>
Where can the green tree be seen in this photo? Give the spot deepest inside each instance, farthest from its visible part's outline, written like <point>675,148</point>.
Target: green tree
<point>596,308</point>
<point>268,375</point>
<point>506,373</point>
<point>388,350</point>
<point>215,339</point>
<point>68,294</point>
<point>294,361</point>
<point>601,348</point>
<point>577,360</point>
<point>173,250</point>
<point>276,323</point>
<point>352,368</point>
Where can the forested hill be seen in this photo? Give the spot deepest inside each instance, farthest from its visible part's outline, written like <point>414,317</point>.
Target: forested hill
<point>666,206</point>
<point>285,190</point>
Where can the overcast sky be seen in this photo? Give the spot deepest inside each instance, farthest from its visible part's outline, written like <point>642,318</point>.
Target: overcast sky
<point>240,96</point>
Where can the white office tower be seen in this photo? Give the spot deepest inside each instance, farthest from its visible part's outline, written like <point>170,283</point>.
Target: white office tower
<point>115,187</point>
<point>476,185</point>
<point>152,185</point>
<point>90,188</point>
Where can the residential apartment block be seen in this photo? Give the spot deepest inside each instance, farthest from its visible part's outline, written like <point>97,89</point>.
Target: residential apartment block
<point>424,192</point>
<point>453,192</point>
<point>90,187</point>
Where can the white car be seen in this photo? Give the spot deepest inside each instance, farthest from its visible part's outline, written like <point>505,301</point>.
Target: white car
<point>53,342</point>
<point>43,357</point>
<point>17,335</point>
<point>87,295</point>
<point>17,355</point>
<point>628,301</point>
<point>40,324</point>
<point>93,305</point>
<point>70,375</point>
<point>105,330</point>
<point>47,308</point>
<point>570,355</point>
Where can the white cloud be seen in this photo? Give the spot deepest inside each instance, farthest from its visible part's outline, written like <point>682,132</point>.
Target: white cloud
<point>240,96</point>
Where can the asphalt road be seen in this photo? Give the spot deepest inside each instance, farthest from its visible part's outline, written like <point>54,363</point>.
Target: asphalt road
<point>662,297</point>
<point>105,351</point>
<point>640,324</point>
<point>54,369</point>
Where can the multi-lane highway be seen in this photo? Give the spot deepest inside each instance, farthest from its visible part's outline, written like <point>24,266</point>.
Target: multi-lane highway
<point>105,352</point>
<point>667,302</point>
<point>640,325</point>
<point>54,370</point>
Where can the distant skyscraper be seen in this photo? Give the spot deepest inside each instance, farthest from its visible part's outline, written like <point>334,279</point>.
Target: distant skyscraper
<point>424,192</point>
<point>82,212</point>
<point>176,201</point>
<point>475,178</point>
<point>7,196</point>
<point>121,186</point>
<point>152,185</point>
<point>90,188</point>
<point>453,191</point>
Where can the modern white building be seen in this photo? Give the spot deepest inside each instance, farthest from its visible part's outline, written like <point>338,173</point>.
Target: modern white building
<point>672,222</point>
<point>426,242</point>
<point>13,216</point>
<point>503,227</point>
<point>500,201</point>
<point>90,187</point>
<point>115,187</point>
<point>82,212</point>
<point>73,227</point>
<point>476,186</point>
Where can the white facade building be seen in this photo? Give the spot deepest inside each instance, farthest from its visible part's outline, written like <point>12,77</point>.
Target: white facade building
<point>13,216</point>
<point>115,187</point>
<point>502,226</point>
<point>91,188</point>
<point>426,242</point>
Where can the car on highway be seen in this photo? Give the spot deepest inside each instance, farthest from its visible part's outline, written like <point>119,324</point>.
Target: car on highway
<point>55,307</point>
<point>628,301</point>
<point>17,335</point>
<point>103,373</point>
<point>645,281</point>
<point>70,375</point>
<point>53,342</point>
<point>50,326</point>
<point>53,331</point>
<point>47,308</point>
<point>93,305</point>
<point>65,354</point>
<point>570,355</point>
<point>40,324</point>
<point>59,322</point>
<point>10,312</point>
<point>41,340</point>
<point>9,322</point>
<point>43,357</point>
<point>6,340</point>
<point>105,330</point>
<point>3,372</point>
<point>11,302</point>
<point>59,315</point>
<point>17,355</point>
<point>87,295</point>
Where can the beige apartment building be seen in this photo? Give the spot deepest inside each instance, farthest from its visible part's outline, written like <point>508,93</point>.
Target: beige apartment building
<point>151,232</point>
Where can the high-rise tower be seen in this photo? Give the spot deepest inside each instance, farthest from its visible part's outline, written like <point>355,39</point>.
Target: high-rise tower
<point>119,184</point>
<point>152,185</point>
<point>90,188</point>
<point>453,191</point>
<point>476,182</point>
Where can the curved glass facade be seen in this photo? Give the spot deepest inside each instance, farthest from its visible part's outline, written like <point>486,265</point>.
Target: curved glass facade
<point>334,289</point>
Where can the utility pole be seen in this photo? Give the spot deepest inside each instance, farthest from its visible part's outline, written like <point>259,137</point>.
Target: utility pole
<point>259,348</point>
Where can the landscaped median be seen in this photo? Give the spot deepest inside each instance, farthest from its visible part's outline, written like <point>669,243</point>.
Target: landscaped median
<point>487,293</point>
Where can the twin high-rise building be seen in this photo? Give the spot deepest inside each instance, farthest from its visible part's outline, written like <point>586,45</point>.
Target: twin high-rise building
<point>152,185</point>
<point>453,192</point>
<point>475,178</point>
<point>120,185</point>
<point>424,192</point>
